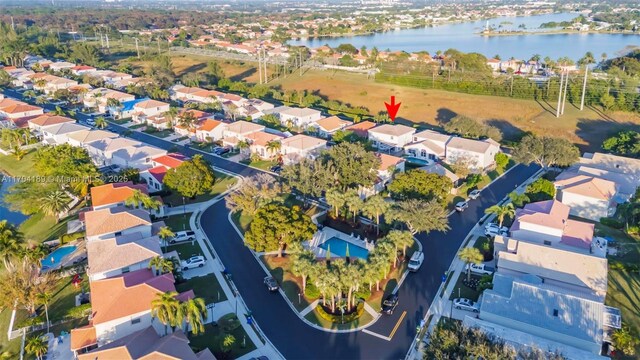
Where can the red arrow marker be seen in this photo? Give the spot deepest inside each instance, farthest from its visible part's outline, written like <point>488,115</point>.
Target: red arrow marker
<point>392,108</point>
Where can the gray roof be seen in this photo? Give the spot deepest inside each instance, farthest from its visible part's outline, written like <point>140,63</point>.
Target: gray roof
<point>534,304</point>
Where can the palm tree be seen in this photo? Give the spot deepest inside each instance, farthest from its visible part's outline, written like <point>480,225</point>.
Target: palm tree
<point>44,298</point>
<point>160,265</point>
<point>303,264</point>
<point>37,345</point>
<point>19,152</point>
<point>11,243</point>
<point>228,342</point>
<point>194,311</point>
<point>135,199</point>
<point>470,255</point>
<point>401,239</point>
<point>165,233</point>
<point>41,100</point>
<point>374,207</point>
<point>353,202</point>
<point>29,94</point>
<point>166,308</point>
<point>171,114</point>
<point>243,145</point>
<point>58,111</point>
<point>501,212</point>
<point>274,146</point>
<point>187,120</point>
<point>54,203</point>
<point>387,251</point>
<point>336,200</point>
<point>101,122</point>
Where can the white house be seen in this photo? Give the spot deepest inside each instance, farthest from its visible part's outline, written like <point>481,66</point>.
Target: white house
<point>478,154</point>
<point>389,137</point>
<point>101,151</point>
<point>588,197</point>
<point>147,108</point>
<point>238,131</point>
<point>59,134</point>
<point>389,166</point>
<point>159,166</point>
<point>60,65</point>
<point>80,70</point>
<point>210,130</point>
<point>98,98</point>
<point>14,109</point>
<point>300,146</point>
<point>428,145</point>
<point>37,124</point>
<point>84,137</point>
<point>138,157</point>
<point>300,117</point>
<point>259,143</point>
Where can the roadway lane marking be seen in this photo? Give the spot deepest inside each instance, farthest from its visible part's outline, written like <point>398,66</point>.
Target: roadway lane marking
<point>393,332</point>
<point>376,334</point>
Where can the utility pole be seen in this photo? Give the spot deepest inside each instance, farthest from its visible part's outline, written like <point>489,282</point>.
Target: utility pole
<point>260,65</point>
<point>564,95</point>
<point>559,94</point>
<point>137,48</point>
<point>266,79</point>
<point>584,86</point>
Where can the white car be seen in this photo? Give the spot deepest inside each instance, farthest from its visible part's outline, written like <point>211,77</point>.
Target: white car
<point>193,262</point>
<point>492,229</point>
<point>183,236</point>
<point>461,206</point>
<point>465,304</point>
<point>474,194</point>
<point>416,261</point>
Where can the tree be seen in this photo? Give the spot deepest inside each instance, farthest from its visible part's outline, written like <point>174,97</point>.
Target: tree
<point>194,311</point>
<point>470,128</point>
<point>38,346</point>
<point>336,199</point>
<point>546,151</point>
<point>101,122</point>
<point>607,101</point>
<point>462,166</point>
<point>11,243</point>
<point>418,184</point>
<point>44,298</point>
<point>19,152</point>
<point>374,207</point>
<point>353,201</point>
<point>353,165</point>
<point>160,265</point>
<point>303,263</point>
<point>400,239</point>
<point>501,159</point>
<point>540,190</point>
<point>166,308</point>
<point>165,233</point>
<point>253,193</point>
<point>519,200</point>
<point>470,255</point>
<point>625,143</point>
<point>54,203</point>
<point>625,340</point>
<point>275,226</point>
<point>420,215</point>
<point>347,49</point>
<point>227,342</point>
<point>308,177</point>
<point>23,286</point>
<point>501,212</point>
<point>274,146</point>
<point>85,53</point>
<point>140,199</point>
<point>214,72</point>
<point>191,178</point>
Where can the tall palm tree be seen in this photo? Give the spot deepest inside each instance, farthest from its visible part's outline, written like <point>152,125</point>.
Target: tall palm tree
<point>353,202</point>
<point>274,146</point>
<point>160,265</point>
<point>54,203</point>
<point>38,346</point>
<point>401,239</point>
<point>171,114</point>
<point>11,243</point>
<point>166,308</point>
<point>19,152</point>
<point>374,207</point>
<point>44,298</point>
<point>303,264</point>
<point>470,255</point>
<point>187,120</point>
<point>135,199</point>
<point>502,212</point>
<point>41,100</point>
<point>59,111</point>
<point>165,233</point>
<point>29,94</point>
<point>243,145</point>
<point>194,311</point>
<point>335,199</point>
<point>101,122</point>
<point>388,252</point>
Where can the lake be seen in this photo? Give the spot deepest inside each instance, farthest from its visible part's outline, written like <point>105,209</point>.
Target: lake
<point>16,218</point>
<point>464,37</point>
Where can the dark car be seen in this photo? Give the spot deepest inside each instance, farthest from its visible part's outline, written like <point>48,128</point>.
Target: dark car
<point>271,283</point>
<point>276,168</point>
<point>389,304</point>
<point>221,150</point>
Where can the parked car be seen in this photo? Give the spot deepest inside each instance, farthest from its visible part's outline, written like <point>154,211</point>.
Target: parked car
<point>481,269</point>
<point>183,236</point>
<point>492,229</point>
<point>91,122</point>
<point>416,261</point>
<point>465,304</point>
<point>271,283</point>
<point>193,262</point>
<point>276,168</point>
<point>461,206</point>
<point>389,304</point>
<point>221,150</point>
<point>474,194</point>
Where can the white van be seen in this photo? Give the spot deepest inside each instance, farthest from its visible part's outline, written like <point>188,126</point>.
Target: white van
<point>416,261</point>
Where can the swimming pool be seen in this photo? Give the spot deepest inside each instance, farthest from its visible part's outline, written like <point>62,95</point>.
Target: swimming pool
<point>339,247</point>
<point>54,259</point>
<point>417,161</point>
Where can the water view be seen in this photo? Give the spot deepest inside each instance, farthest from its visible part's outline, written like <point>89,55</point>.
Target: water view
<point>465,37</point>
<point>15,218</point>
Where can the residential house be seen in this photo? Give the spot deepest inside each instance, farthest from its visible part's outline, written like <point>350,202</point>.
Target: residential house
<point>238,131</point>
<point>260,104</point>
<point>114,221</point>
<point>391,138</point>
<point>113,77</point>
<point>138,157</point>
<point>61,65</point>
<point>297,147</point>
<point>210,130</point>
<point>59,134</point>
<point>479,155</point>
<point>101,151</point>
<point>328,126</point>
<point>49,84</point>
<point>126,109</point>
<point>154,176</point>
<point>428,145</point>
<point>84,137</point>
<point>43,121</point>
<point>98,98</point>
<point>114,194</point>
<point>20,77</point>
<point>197,115</point>
<point>121,306</point>
<point>259,143</point>
<point>587,196</point>
<point>389,166</point>
<point>13,109</point>
<point>147,344</point>
<point>299,117</point>
<point>494,64</point>
<point>80,70</point>
<point>144,109</point>
<point>437,168</point>
<point>361,128</point>
<point>120,254</point>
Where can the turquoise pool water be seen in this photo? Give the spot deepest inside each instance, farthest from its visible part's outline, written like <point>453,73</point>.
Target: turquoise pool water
<point>417,161</point>
<point>339,247</point>
<point>55,258</point>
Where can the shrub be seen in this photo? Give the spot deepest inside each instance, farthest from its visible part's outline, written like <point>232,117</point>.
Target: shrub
<point>311,291</point>
<point>229,322</point>
<point>610,222</point>
<point>71,237</point>
<point>634,230</point>
<point>339,319</point>
<point>364,293</point>
<point>78,312</point>
<point>502,160</point>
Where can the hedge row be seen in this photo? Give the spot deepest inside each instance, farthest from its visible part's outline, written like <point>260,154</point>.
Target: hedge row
<point>339,318</point>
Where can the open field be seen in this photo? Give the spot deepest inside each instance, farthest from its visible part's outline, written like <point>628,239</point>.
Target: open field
<point>430,107</point>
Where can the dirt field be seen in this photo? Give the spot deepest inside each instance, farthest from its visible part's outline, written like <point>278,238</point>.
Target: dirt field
<point>585,128</point>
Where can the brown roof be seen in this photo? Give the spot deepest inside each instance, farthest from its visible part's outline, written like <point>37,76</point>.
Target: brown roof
<point>386,161</point>
<point>19,108</point>
<point>83,337</point>
<point>46,120</point>
<point>122,251</point>
<point>261,138</point>
<point>147,104</point>
<point>209,124</point>
<point>111,220</point>
<point>333,123</point>
<point>114,193</point>
<point>172,160</point>
<point>303,142</point>
<point>361,128</point>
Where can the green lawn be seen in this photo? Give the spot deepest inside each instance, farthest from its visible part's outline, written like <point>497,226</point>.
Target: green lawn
<point>206,287</point>
<point>223,182</point>
<point>186,249</point>
<point>158,133</point>
<point>39,227</point>
<point>460,290</point>
<point>64,297</point>
<point>178,222</point>
<point>121,121</point>
<point>260,164</point>
<point>13,167</point>
<point>242,221</point>
<point>212,339</point>
<point>137,126</point>
<point>280,268</point>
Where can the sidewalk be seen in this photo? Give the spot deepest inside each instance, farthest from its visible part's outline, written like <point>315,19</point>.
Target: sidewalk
<point>441,305</point>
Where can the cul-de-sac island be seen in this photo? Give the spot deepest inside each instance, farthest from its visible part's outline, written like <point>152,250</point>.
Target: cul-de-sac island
<point>338,179</point>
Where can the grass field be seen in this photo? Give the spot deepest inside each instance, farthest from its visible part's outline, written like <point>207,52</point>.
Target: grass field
<point>206,287</point>
<point>431,107</point>
<point>212,339</point>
